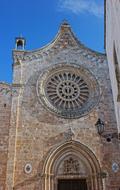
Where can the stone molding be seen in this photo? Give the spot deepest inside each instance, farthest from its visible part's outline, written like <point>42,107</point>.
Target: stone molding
<point>80,152</point>
<point>65,39</point>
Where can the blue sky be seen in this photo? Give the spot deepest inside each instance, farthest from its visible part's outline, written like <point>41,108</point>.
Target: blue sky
<point>38,21</point>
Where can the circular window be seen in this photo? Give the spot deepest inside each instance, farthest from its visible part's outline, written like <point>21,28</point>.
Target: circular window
<point>28,168</point>
<point>68,91</point>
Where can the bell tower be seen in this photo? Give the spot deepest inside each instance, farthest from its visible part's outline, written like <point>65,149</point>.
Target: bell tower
<point>20,43</point>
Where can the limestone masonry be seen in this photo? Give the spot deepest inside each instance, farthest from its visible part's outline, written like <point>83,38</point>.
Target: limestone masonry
<point>57,119</point>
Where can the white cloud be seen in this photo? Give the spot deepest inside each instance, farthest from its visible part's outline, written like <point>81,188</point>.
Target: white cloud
<point>82,6</point>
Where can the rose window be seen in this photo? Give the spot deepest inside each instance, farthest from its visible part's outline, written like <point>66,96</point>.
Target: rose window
<point>68,91</point>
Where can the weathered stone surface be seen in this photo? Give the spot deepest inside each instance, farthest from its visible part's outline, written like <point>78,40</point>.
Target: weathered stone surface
<point>5,112</point>
<point>36,133</point>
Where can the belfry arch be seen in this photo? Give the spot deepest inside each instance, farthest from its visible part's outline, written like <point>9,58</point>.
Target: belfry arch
<point>71,160</point>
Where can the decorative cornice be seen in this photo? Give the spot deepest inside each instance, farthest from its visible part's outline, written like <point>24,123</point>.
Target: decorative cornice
<point>65,39</point>
<point>5,89</point>
<point>5,84</point>
<point>17,85</point>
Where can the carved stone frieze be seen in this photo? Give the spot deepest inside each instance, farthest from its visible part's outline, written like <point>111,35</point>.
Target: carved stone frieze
<point>5,89</point>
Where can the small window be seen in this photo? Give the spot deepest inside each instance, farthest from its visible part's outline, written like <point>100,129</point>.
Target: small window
<point>5,105</point>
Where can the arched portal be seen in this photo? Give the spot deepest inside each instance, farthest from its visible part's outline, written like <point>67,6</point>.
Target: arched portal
<point>71,162</point>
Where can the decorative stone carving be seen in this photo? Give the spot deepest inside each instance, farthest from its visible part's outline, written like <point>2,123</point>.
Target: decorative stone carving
<point>5,90</point>
<point>38,55</point>
<point>65,39</point>
<point>71,166</point>
<point>69,134</point>
<point>69,91</point>
<point>115,167</point>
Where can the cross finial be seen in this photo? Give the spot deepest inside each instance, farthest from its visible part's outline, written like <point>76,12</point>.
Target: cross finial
<point>65,23</point>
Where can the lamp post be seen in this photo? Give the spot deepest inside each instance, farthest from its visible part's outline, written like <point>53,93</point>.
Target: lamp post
<point>100,126</point>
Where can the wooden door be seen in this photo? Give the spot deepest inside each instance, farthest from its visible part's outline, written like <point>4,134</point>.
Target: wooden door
<point>72,184</point>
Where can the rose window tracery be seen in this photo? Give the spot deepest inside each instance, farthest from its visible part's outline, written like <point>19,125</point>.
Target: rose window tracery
<point>69,91</point>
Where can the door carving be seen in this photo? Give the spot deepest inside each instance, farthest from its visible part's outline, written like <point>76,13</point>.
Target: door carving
<point>71,166</point>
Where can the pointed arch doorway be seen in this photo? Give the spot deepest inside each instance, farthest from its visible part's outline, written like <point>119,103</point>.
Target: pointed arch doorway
<point>71,166</point>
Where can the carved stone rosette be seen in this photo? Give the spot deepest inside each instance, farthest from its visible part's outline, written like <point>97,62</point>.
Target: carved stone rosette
<point>69,91</point>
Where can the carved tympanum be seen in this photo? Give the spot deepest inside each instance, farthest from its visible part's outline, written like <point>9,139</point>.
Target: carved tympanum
<point>71,166</point>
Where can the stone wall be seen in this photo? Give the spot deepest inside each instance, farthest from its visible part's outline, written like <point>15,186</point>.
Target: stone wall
<point>5,112</point>
<point>35,131</point>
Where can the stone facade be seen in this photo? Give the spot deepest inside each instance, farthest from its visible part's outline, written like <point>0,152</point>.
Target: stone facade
<point>112,40</point>
<point>46,146</point>
<point>5,112</point>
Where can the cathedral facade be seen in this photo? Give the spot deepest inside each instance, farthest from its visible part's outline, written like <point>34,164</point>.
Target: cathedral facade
<point>58,124</point>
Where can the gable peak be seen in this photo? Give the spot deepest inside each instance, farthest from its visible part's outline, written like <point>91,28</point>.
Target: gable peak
<point>65,23</point>
<point>65,26</point>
